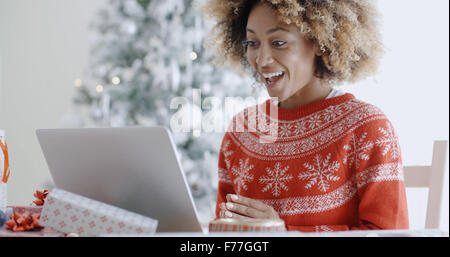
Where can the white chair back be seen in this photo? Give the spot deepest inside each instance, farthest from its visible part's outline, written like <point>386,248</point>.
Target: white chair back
<point>433,178</point>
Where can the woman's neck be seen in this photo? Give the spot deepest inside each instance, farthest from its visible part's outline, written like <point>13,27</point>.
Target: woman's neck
<point>315,91</point>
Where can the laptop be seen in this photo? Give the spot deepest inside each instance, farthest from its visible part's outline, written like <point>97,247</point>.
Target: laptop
<point>133,168</point>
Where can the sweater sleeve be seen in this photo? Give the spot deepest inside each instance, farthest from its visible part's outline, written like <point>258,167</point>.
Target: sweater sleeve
<point>375,159</point>
<point>227,152</point>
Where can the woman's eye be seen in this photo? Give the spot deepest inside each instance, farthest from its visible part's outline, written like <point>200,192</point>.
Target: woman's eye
<point>279,43</point>
<point>249,43</point>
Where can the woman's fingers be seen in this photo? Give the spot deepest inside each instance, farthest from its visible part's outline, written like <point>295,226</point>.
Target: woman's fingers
<point>244,207</point>
<point>255,204</point>
<point>226,213</point>
<point>249,207</point>
<point>235,215</point>
<point>244,210</point>
<point>222,211</point>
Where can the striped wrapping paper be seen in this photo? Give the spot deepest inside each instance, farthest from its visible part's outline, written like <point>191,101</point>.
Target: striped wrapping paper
<point>250,225</point>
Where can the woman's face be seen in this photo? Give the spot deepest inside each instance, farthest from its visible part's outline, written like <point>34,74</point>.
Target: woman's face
<point>275,48</point>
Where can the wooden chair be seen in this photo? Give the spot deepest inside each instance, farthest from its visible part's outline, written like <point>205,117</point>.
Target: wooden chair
<point>433,178</point>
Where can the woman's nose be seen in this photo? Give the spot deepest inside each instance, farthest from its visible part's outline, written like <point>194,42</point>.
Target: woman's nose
<point>264,57</point>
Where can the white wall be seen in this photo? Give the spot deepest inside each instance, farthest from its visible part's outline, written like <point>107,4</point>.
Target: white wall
<point>413,86</point>
<point>44,47</point>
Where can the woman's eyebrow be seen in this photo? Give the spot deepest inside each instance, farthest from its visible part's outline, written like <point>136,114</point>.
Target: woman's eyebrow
<point>270,30</point>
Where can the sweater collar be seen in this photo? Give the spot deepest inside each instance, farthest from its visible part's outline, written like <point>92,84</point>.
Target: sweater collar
<point>299,112</point>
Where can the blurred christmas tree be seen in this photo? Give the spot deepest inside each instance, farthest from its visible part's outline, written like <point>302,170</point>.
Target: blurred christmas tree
<point>144,54</point>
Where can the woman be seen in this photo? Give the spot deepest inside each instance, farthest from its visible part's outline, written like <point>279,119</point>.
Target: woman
<point>335,163</point>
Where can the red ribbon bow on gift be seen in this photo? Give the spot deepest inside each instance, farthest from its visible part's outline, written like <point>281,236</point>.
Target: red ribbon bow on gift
<point>25,222</point>
<point>6,171</point>
<point>41,195</point>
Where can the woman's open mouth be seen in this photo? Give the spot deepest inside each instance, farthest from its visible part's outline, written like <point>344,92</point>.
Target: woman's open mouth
<point>272,80</point>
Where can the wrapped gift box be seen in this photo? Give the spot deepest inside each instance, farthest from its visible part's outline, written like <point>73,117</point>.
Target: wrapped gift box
<point>45,232</point>
<point>71,213</point>
<point>23,209</point>
<point>246,225</point>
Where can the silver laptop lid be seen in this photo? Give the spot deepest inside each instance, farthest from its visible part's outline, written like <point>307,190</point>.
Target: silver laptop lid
<point>134,168</point>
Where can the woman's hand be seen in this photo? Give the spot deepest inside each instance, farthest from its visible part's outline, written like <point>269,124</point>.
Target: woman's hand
<point>240,207</point>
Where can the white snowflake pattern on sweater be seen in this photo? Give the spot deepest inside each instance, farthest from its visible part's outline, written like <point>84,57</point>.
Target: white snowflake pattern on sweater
<point>389,141</point>
<point>226,153</point>
<point>242,174</point>
<point>357,150</point>
<point>320,172</point>
<point>276,180</point>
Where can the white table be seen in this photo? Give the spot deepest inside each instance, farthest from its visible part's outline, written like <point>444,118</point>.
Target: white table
<point>361,233</point>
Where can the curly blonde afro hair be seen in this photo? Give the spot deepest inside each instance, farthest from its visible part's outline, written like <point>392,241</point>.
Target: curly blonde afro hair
<point>346,32</point>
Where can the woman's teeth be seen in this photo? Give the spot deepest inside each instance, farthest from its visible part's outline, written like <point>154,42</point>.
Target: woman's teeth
<point>269,75</point>
<point>272,78</point>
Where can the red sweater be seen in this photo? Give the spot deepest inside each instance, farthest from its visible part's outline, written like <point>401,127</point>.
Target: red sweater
<point>333,165</point>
